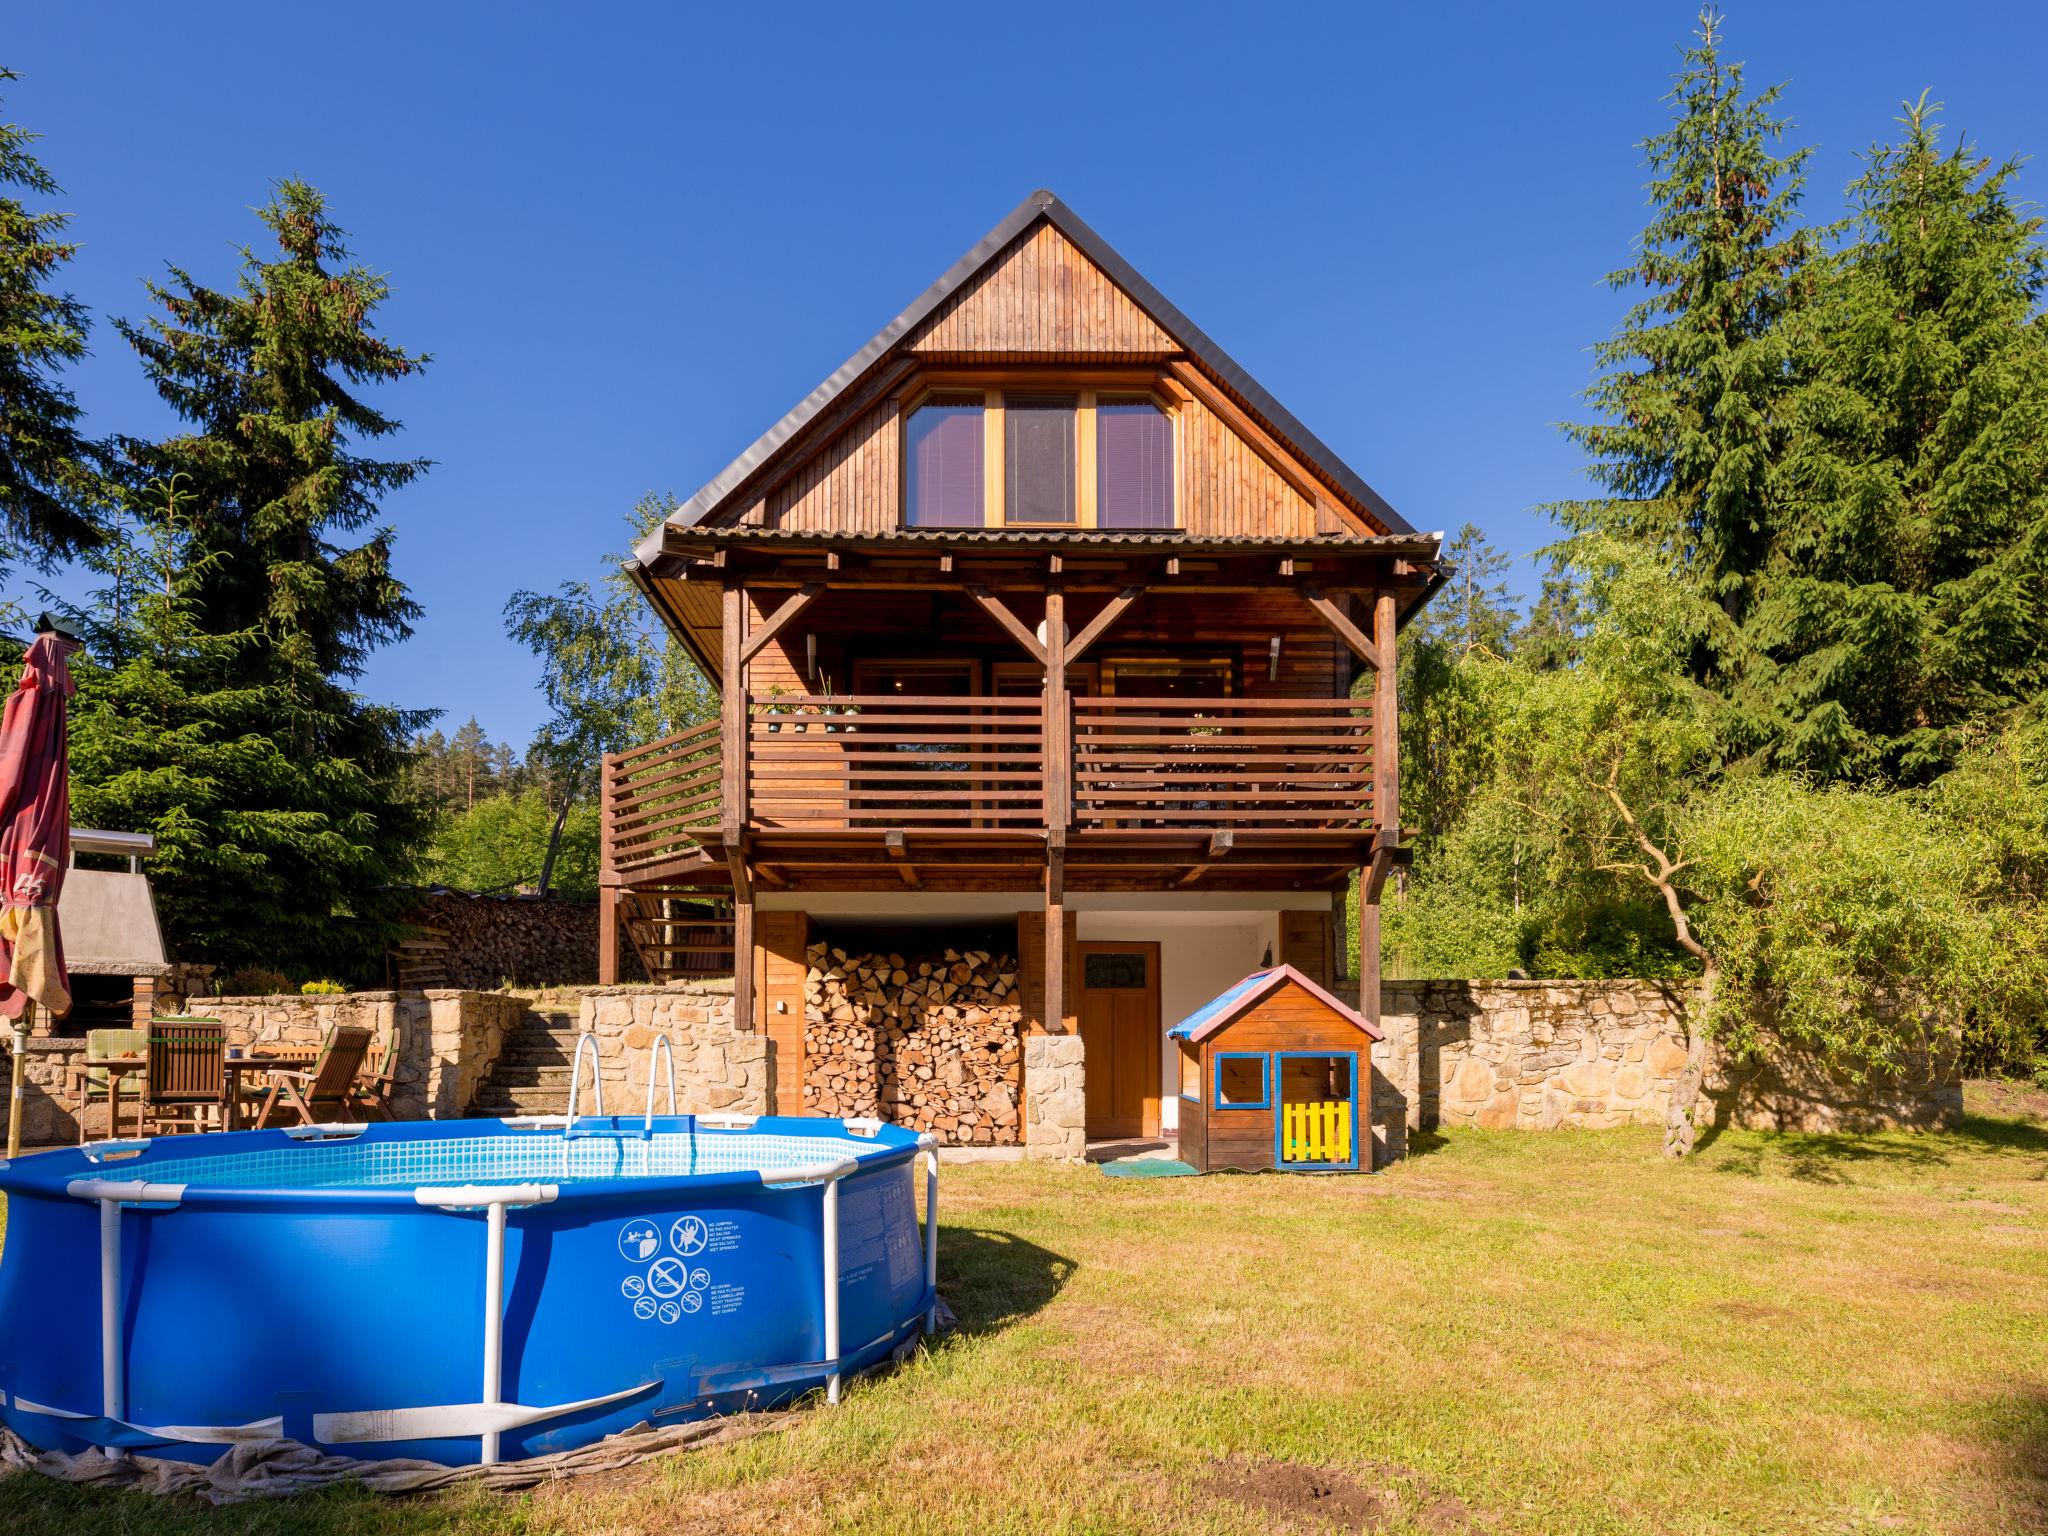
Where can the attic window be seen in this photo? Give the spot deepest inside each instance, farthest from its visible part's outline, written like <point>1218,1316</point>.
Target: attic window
<point>943,479</point>
<point>1133,465</point>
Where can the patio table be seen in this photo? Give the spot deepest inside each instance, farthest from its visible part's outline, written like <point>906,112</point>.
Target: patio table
<point>119,1068</point>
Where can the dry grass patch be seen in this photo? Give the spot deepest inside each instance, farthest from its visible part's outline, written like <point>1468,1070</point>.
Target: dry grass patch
<point>1527,1333</point>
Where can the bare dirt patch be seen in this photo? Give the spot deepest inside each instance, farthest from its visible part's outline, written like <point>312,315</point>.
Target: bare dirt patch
<point>1990,1096</point>
<point>1289,1489</point>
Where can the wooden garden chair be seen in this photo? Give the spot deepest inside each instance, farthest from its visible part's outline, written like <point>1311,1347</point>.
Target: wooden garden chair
<point>94,1079</point>
<point>327,1088</point>
<point>374,1094</point>
<point>185,1073</point>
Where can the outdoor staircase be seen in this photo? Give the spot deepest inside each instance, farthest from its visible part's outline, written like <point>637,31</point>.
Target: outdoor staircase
<point>531,1074</point>
<point>677,934</point>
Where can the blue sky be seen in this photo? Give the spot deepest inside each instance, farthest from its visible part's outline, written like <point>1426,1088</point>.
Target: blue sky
<point>633,236</point>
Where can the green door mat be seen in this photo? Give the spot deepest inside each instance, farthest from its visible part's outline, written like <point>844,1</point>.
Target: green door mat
<point>1148,1168</point>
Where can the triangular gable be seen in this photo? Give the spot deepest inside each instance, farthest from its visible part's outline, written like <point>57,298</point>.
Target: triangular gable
<point>937,316</point>
<point>1041,293</point>
<point>1235,1001</point>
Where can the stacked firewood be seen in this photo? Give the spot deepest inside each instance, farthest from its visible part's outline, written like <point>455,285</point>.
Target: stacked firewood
<point>929,1041</point>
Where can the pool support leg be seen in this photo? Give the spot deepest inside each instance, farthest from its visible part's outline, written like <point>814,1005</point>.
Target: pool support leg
<point>112,1388</point>
<point>494,1320</point>
<point>832,1287</point>
<point>931,1234</point>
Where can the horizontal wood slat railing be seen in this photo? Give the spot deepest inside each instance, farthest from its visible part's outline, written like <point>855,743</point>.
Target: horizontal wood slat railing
<point>1302,765</point>
<point>940,764</point>
<point>896,762</point>
<point>658,795</point>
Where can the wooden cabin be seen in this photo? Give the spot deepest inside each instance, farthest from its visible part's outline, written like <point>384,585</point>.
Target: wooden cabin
<point>1043,632</point>
<point>1275,1072</point>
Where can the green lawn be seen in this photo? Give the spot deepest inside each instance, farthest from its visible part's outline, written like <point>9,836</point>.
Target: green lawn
<point>1509,1333</point>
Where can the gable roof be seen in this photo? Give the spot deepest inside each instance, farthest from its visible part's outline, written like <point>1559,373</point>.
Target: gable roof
<point>1228,1006</point>
<point>1040,205</point>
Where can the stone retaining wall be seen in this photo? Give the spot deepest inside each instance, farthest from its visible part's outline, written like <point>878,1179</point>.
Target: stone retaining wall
<point>1537,1055</point>
<point>717,1067</point>
<point>447,1041</point>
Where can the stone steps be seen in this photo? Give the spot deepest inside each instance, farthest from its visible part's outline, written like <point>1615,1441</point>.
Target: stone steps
<point>535,1063</point>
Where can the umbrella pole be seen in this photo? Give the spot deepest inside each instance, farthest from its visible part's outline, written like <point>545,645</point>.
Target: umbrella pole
<point>15,1107</point>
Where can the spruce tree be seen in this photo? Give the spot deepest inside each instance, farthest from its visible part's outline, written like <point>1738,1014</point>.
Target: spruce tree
<point>1909,605</point>
<point>48,479</point>
<point>1692,400</point>
<point>300,797</point>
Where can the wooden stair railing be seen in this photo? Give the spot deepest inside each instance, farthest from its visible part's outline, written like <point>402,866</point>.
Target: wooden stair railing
<point>677,933</point>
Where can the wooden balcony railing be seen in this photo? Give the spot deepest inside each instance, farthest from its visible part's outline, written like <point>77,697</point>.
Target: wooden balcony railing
<point>1273,764</point>
<point>936,765</point>
<point>896,762</point>
<point>657,795</point>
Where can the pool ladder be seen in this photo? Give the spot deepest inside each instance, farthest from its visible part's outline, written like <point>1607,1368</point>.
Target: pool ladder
<point>659,1053</point>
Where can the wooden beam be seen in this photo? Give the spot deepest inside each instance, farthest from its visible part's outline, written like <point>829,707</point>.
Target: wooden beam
<point>1221,842</point>
<point>732,724</point>
<point>1386,719</point>
<point>1111,612</point>
<point>1010,624</point>
<point>900,855</point>
<point>1058,724</point>
<point>1344,629</point>
<point>791,607</point>
<point>1368,948</point>
<point>1055,944</point>
<point>743,1018</point>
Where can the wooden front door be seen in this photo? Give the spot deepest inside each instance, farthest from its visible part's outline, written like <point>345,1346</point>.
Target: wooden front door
<point>1120,1037</point>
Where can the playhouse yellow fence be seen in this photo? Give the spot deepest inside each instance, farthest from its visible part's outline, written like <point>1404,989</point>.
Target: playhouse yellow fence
<point>1315,1133</point>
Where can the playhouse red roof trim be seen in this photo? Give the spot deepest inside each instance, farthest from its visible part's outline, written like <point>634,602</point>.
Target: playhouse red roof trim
<point>1263,985</point>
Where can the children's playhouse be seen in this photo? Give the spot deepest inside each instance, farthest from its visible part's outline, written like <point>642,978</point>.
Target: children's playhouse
<point>1275,1073</point>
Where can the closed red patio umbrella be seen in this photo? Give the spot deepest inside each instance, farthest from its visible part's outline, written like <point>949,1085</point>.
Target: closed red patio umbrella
<point>35,848</point>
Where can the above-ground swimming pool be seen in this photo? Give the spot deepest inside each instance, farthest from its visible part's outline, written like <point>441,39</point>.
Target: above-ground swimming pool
<point>456,1290</point>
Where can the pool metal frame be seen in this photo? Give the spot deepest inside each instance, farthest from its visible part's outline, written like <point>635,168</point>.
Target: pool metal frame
<point>491,1415</point>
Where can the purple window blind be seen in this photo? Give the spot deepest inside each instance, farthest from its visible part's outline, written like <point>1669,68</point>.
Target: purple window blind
<point>1038,458</point>
<point>1133,466</point>
<point>943,485</point>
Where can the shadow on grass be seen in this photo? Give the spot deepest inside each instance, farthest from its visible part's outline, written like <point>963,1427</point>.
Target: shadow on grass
<point>2017,1427</point>
<point>1829,1158</point>
<point>993,1279</point>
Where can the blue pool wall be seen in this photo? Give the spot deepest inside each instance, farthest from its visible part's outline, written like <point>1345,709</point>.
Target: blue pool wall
<point>243,1304</point>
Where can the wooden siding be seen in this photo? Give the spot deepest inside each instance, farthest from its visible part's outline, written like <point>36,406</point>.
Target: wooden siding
<point>779,940</point>
<point>1041,296</point>
<point>853,486</point>
<point>1228,488</point>
<point>1305,944</point>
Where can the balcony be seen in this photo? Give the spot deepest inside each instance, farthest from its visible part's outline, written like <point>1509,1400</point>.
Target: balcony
<point>873,777</point>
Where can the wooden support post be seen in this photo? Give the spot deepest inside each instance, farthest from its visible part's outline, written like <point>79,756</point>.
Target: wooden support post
<point>1058,725</point>
<point>1368,947</point>
<point>608,893</point>
<point>1386,724</point>
<point>1055,942</point>
<point>744,1016</point>
<point>732,722</point>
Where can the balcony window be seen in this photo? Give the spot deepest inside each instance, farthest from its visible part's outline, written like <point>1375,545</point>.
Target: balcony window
<point>1133,465</point>
<point>944,481</point>
<point>1038,458</point>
